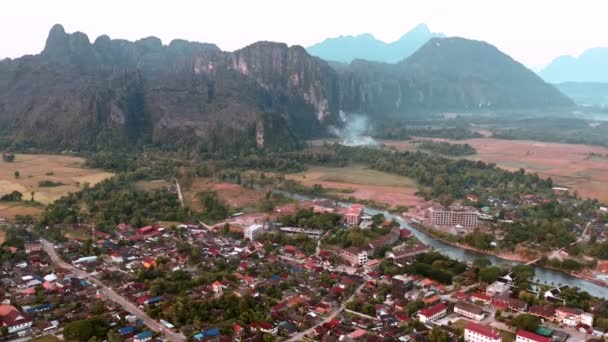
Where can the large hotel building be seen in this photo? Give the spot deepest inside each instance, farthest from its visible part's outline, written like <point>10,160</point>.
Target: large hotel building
<point>455,215</point>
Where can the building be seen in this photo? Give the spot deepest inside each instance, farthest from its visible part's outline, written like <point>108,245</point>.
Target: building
<point>32,247</point>
<point>354,256</point>
<point>217,287</point>
<point>384,240</point>
<point>572,317</point>
<point>498,288</point>
<point>455,215</point>
<point>469,310</point>
<point>352,216</point>
<point>508,303</point>
<point>433,313</point>
<point>402,253</point>
<point>13,319</point>
<point>254,231</point>
<point>543,311</point>
<point>526,336</point>
<point>400,284</point>
<point>474,332</point>
<point>481,297</point>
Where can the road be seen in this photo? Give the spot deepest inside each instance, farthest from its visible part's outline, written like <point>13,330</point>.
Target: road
<point>332,315</point>
<point>180,196</point>
<point>113,296</point>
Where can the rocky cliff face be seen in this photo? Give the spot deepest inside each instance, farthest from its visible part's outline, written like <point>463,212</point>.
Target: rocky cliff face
<point>118,93</point>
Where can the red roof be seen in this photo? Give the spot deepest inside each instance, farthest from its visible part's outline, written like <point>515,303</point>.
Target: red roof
<point>355,209</point>
<point>433,310</point>
<point>481,296</point>
<point>533,336</point>
<point>483,330</point>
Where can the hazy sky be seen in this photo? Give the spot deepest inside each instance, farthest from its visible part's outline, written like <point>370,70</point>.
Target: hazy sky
<point>532,31</point>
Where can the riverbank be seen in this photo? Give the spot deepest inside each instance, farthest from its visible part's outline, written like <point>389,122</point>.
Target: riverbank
<point>511,257</point>
<point>501,255</point>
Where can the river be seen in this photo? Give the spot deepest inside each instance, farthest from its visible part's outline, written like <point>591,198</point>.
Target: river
<point>541,274</point>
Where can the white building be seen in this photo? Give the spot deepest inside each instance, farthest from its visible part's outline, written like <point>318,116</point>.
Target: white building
<point>11,318</point>
<point>474,332</point>
<point>497,289</point>
<point>254,231</point>
<point>433,313</point>
<point>469,310</point>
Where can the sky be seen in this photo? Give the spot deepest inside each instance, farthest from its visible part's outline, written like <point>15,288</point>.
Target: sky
<point>532,31</point>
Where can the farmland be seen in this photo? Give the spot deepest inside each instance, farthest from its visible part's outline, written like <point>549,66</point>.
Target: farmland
<point>362,183</point>
<point>29,171</point>
<point>580,167</point>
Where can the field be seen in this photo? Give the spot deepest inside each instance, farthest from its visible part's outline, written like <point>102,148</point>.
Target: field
<point>364,183</point>
<point>35,168</point>
<point>234,195</point>
<point>568,165</point>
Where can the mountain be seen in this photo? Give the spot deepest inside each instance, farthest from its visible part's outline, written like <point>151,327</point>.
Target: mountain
<point>348,48</point>
<point>445,74</point>
<point>121,93</point>
<point>591,66</point>
<point>586,93</point>
<point>115,93</point>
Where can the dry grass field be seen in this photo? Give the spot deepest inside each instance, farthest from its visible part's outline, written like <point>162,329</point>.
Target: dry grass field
<point>35,168</point>
<point>364,183</point>
<point>568,164</point>
<point>234,195</point>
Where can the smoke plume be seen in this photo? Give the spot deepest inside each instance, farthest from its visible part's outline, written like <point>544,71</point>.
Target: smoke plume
<point>354,131</point>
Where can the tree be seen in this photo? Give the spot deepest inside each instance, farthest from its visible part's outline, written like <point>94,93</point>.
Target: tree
<point>437,335</point>
<point>17,174</point>
<point>482,262</point>
<point>489,274</point>
<point>526,322</point>
<point>4,331</point>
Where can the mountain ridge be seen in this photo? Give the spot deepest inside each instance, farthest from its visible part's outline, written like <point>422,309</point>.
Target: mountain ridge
<point>115,93</point>
<point>590,67</point>
<point>365,46</point>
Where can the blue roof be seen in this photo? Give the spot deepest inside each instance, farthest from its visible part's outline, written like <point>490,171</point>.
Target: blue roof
<point>155,300</point>
<point>41,307</point>
<point>126,330</point>
<point>211,332</point>
<point>144,334</point>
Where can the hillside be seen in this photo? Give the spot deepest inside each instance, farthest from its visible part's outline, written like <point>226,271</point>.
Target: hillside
<point>345,49</point>
<point>586,93</point>
<point>445,74</point>
<point>591,66</point>
<point>118,94</point>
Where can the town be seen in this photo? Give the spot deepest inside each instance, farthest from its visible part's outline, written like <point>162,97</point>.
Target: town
<point>311,270</point>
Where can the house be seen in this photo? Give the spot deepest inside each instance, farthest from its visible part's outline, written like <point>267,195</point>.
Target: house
<point>263,327</point>
<point>509,303</point>
<point>143,336</point>
<point>543,311</point>
<point>352,216</point>
<point>481,297</point>
<point>474,332</point>
<point>469,310</point>
<point>434,312</point>
<point>149,262</point>
<point>526,336</point>
<point>32,247</point>
<point>497,288</point>
<point>217,287</point>
<point>14,320</point>
<point>572,317</point>
<point>405,234</point>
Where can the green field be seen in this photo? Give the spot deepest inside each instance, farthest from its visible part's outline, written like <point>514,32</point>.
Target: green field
<point>355,174</point>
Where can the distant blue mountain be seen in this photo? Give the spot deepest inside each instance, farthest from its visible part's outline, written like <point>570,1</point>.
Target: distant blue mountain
<point>591,66</point>
<point>348,48</point>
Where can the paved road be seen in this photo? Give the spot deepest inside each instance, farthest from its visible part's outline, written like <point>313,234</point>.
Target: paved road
<point>331,316</point>
<point>115,297</point>
<point>180,196</point>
